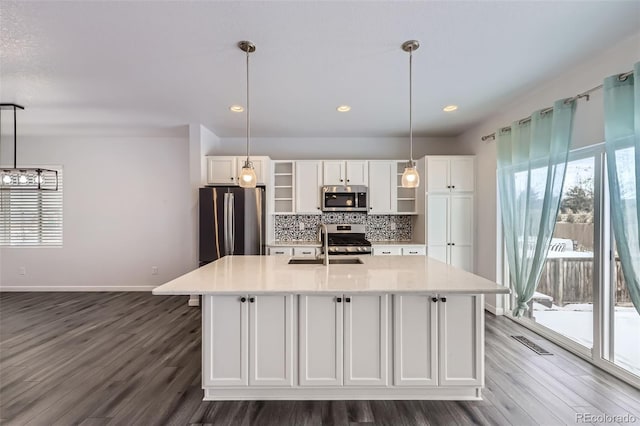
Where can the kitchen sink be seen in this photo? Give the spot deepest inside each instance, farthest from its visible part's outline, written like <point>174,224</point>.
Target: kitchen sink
<point>310,261</point>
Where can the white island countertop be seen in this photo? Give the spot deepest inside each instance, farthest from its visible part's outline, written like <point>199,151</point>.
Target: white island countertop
<point>273,274</point>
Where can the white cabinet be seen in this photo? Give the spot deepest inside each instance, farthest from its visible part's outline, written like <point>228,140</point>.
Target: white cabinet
<point>450,229</point>
<point>221,170</point>
<point>450,174</point>
<point>438,340</point>
<point>415,340</point>
<point>248,340</point>
<point>399,250</point>
<point>320,340</point>
<point>305,251</point>
<point>308,181</point>
<point>460,325</point>
<point>382,186</point>
<point>351,172</point>
<point>280,251</point>
<point>343,340</point>
<point>387,251</point>
<point>225,170</point>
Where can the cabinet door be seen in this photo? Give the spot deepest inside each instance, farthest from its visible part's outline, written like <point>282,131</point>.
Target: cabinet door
<point>259,166</point>
<point>357,173</point>
<point>308,183</point>
<point>281,251</point>
<point>437,220</point>
<point>462,174</point>
<point>461,232</point>
<point>333,173</point>
<point>320,347</point>
<point>221,170</point>
<point>270,340</point>
<point>415,348</point>
<point>224,348</point>
<point>438,174</point>
<point>365,339</point>
<point>382,188</point>
<point>460,325</point>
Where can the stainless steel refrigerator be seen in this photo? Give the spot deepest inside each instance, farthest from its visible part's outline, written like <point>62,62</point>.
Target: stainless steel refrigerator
<point>231,222</point>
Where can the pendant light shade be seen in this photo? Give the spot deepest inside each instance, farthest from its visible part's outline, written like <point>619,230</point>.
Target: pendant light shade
<point>410,177</point>
<point>248,174</point>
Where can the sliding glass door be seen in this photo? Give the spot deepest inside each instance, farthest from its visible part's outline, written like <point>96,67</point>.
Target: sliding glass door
<point>582,300</point>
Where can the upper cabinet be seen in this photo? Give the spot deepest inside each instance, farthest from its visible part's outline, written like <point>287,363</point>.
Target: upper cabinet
<point>382,186</point>
<point>225,170</point>
<point>308,180</point>
<point>450,174</point>
<point>339,172</point>
<point>283,187</point>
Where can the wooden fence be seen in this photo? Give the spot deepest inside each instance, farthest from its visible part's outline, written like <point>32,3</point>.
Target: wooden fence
<point>570,280</point>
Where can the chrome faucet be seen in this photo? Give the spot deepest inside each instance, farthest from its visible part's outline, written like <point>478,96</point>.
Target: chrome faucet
<point>322,228</point>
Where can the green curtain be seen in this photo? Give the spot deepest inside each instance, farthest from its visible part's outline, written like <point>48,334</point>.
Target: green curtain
<point>532,160</point>
<point>622,141</point>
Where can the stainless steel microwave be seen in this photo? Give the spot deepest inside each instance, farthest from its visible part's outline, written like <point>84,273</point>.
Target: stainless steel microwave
<point>352,198</point>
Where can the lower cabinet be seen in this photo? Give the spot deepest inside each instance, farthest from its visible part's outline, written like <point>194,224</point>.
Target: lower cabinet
<point>248,340</point>
<point>343,340</point>
<point>438,340</point>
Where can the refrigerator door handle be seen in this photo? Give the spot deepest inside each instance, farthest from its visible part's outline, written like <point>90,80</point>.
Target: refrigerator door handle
<point>232,237</point>
<point>227,222</point>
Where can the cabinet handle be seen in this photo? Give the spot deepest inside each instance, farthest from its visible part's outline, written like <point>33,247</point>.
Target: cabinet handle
<point>443,299</point>
<point>341,180</point>
<point>306,252</point>
<point>348,180</point>
<point>231,178</point>
<point>434,299</point>
<point>386,252</point>
<point>347,299</point>
<point>449,186</point>
<point>453,244</point>
<point>339,299</point>
<point>453,186</point>
<point>252,299</point>
<point>370,208</point>
<point>413,252</point>
<point>243,299</point>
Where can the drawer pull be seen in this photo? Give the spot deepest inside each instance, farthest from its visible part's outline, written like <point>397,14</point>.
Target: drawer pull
<point>413,252</point>
<point>386,252</point>
<point>339,299</point>
<point>306,252</point>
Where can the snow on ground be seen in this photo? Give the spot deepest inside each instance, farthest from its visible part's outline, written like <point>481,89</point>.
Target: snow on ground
<point>576,322</point>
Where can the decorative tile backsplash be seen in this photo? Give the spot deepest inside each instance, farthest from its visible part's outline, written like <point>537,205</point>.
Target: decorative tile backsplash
<point>378,227</point>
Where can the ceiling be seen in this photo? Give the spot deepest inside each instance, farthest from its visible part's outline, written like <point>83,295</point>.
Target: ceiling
<point>152,67</point>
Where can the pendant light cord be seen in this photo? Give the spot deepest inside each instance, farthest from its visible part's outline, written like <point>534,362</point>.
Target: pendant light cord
<point>248,109</point>
<point>411,106</point>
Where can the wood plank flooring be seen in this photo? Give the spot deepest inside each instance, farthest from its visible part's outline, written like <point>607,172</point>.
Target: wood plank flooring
<point>134,358</point>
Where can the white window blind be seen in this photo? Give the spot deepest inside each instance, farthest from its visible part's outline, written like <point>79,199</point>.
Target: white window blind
<point>31,218</point>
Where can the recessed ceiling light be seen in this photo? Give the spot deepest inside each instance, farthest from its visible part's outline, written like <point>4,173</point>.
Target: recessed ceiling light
<point>343,108</point>
<point>236,108</point>
<point>450,108</point>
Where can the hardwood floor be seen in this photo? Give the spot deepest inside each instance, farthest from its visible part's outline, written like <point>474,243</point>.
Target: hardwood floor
<point>134,358</point>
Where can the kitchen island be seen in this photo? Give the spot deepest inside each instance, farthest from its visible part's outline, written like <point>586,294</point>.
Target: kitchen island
<point>391,327</point>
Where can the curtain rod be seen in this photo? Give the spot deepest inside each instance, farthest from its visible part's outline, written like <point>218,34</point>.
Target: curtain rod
<point>621,77</point>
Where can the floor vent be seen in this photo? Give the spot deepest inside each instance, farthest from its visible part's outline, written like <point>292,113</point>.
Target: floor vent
<point>528,343</point>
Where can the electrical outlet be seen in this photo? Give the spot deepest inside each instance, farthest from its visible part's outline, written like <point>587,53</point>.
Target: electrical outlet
<point>392,225</point>
<point>301,226</point>
<point>154,270</point>
<point>22,270</point>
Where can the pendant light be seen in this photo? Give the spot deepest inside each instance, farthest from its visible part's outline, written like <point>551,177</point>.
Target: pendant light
<point>410,177</point>
<point>248,174</point>
<point>24,178</point>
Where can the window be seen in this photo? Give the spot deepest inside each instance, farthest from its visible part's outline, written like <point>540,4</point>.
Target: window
<point>31,218</point>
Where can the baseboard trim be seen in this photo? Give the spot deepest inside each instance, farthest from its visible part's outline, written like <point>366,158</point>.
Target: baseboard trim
<point>493,309</point>
<point>14,288</point>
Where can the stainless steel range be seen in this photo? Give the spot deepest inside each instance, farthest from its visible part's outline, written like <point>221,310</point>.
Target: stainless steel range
<point>347,239</point>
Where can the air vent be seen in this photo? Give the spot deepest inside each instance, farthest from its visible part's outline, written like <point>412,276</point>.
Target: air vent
<point>528,343</point>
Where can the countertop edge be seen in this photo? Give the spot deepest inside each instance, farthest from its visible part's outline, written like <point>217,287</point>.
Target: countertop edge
<point>332,291</point>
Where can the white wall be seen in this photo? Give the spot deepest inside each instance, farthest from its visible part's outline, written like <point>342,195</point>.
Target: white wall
<point>339,148</point>
<point>127,208</point>
<point>588,130</point>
